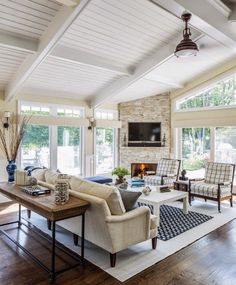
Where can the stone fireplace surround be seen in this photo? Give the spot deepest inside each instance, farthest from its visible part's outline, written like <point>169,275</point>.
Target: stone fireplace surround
<point>150,109</point>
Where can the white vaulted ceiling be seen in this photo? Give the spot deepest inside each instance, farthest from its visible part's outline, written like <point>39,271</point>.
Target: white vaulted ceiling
<point>63,78</point>
<point>124,31</point>
<point>108,50</point>
<point>28,18</point>
<point>10,61</point>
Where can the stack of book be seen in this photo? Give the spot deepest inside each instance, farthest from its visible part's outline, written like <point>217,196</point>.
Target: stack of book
<point>136,183</point>
<point>164,188</point>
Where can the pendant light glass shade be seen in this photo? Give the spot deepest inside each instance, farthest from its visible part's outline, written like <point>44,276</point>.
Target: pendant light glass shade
<point>186,47</point>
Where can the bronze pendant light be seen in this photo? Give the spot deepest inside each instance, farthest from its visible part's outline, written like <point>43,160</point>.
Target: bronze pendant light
<point>186,47</point>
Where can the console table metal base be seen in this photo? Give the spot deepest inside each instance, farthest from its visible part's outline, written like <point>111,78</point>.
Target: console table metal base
<point>54,244</point>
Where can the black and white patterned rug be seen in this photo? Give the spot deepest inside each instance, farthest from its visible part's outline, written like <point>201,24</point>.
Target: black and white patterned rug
<point>174,222</point>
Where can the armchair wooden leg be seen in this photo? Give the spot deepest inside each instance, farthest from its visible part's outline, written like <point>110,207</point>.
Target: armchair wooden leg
<point>219,206</point>
<point>205,199</point>
<point>154,243</point>
<point>76,239</point>
<point>231,201</point>
<point>113,259</point>
<point>49,225</point>
<point>28,213</point>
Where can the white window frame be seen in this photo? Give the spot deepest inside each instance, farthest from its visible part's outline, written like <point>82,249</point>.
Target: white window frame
<point>107,111</point>
<point>179,139</point>
<point>53,131</point>
<point>204,87</point>
<point>53,108</point>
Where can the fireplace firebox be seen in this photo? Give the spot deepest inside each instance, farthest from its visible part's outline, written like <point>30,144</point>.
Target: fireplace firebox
<point>143,169</point>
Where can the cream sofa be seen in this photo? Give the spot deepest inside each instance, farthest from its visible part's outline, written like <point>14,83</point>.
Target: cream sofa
<point>107,224</point>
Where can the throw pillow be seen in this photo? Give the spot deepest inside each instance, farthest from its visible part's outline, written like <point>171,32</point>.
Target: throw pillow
<point>129,198</point>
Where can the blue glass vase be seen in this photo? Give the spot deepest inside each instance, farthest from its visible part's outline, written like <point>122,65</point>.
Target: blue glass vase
<point>11,170</point>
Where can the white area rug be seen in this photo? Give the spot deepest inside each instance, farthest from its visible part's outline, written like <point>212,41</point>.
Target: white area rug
<point>141,256</point>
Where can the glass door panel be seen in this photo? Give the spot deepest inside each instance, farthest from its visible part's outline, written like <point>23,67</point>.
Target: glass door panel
<point>105,150</point>
<point>69,150</point>
<point>35,149</point>
<point>195,150</point>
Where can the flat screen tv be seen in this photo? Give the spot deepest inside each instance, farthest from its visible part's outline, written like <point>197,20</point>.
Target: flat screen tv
<point>144,133</point>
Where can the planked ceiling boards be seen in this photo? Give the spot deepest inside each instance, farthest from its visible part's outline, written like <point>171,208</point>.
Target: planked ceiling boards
<point>77,80</point>
<point>141,89</point>
<point>124,31</point>
<point>118,37</point>
<point>28,18</point>
<point>10,60</point>
<point>121,33</point>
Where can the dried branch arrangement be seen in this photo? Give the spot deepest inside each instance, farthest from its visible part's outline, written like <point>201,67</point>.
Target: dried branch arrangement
<point>10,138</point>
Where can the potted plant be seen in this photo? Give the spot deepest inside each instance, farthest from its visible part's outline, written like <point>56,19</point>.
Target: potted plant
<point>121,172</point>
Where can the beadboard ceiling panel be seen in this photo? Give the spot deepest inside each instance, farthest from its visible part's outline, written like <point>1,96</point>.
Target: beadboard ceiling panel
<point>29,18</point>
<point>125,31</point>
<point>140,89</point>
<point>183,70</point>
<point>10,60</point>
<point>76,80</point>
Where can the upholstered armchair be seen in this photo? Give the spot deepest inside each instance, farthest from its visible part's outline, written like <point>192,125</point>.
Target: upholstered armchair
<point>217,184</point>
<point>167,172</point>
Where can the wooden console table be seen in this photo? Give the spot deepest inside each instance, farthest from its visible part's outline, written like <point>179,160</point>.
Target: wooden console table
<point>44,206</point>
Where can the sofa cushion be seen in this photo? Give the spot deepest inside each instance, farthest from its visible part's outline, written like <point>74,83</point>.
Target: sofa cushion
<point>51,176</point>
<point>75,182</point>
<point>99,179</point>
<point>108,193</point>
<point>39,174</point>
<point>129,198</point>
<point>154,180</point>
<point>210,190</point>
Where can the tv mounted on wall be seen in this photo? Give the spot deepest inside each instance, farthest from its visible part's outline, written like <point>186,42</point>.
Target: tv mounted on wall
<point>144,134</point>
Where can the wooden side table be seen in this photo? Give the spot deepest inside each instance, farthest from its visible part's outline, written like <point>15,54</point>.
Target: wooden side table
<point>182,185</point>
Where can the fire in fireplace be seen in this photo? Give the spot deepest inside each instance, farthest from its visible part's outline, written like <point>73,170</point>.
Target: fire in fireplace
<point>143,169</point>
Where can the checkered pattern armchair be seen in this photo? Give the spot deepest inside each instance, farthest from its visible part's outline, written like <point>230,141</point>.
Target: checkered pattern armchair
<point>167,172</point>
<point>217,184</point>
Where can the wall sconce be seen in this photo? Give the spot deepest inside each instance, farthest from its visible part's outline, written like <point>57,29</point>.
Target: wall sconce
<point>164,140</point>
<point>6,117</point>
<point>92,123</point>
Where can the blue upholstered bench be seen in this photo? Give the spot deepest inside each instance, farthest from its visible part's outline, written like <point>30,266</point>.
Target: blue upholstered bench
<point>99,179</point>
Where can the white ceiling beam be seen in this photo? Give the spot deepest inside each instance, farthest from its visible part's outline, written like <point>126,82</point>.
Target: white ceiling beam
<point>163,80</point>
<point>70,3</point>
<point>72,55</point>
<point>205,18</point>
<point>62,21</point>
<point>221,7</point>
<point>145,67</point>
<point>18,43</point>
<point>62,52</point>
<point>232,16</point>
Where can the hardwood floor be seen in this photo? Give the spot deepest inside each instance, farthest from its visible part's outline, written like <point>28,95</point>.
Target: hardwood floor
<point>210,260</point>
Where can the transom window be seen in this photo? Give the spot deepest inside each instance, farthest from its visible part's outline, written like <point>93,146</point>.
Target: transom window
<point>69,112</point>
<point>222,93</point>
<point>39,109</point>
<point>35,110</point>
<point>106,114</point>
